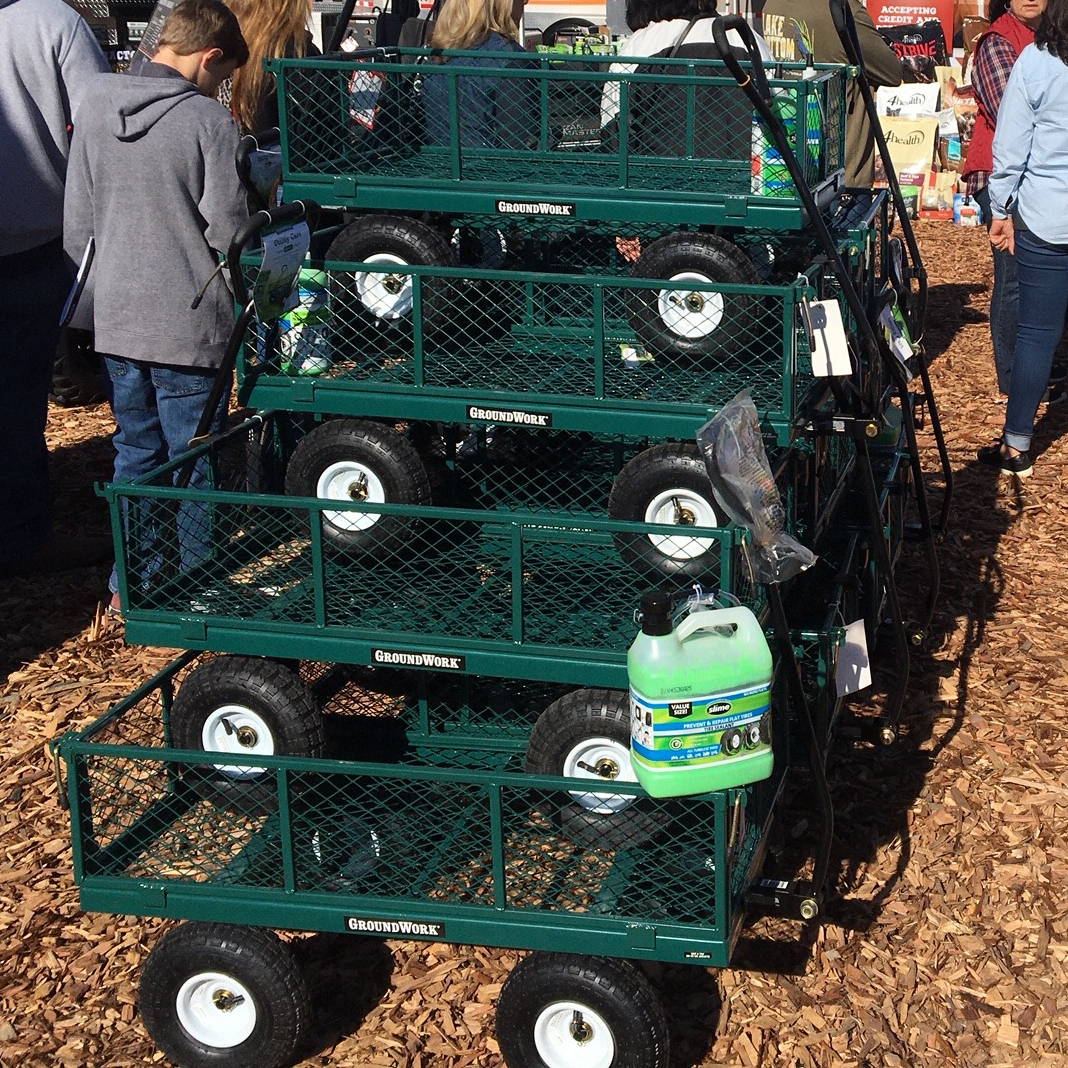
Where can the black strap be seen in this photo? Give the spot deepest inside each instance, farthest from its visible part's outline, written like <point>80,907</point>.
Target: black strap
<point>686,33</point>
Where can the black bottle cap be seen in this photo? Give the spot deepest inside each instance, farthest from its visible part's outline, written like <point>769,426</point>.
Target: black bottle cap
<point>656,612</point>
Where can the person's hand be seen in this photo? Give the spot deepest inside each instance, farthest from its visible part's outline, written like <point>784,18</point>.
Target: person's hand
<point>1003,236</point>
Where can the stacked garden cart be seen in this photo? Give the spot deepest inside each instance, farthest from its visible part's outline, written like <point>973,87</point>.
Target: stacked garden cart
<point>440,538</point>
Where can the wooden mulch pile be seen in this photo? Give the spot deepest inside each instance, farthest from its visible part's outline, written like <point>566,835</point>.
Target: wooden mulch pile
<point>950,947</point>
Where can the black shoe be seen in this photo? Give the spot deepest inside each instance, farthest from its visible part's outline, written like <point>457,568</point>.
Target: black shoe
<point>994,456</point>
<point>1055,393</point>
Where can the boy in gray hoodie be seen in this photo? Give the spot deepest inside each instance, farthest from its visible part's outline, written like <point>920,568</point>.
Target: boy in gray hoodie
<point>153,184</point>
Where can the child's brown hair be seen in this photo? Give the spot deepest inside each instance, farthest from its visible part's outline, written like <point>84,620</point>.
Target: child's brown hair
<point>197,25</point>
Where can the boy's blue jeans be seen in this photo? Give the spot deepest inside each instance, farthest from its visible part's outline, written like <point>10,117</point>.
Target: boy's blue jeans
<point>157,409</point>
<point>1043,272</point>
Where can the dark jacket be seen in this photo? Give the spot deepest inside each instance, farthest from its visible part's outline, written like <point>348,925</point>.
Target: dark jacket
<point>47,58</point>
<point>493,112</point>
<point>788,22</point>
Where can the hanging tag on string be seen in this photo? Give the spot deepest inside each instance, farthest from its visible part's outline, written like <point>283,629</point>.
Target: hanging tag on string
<point>827,337</point>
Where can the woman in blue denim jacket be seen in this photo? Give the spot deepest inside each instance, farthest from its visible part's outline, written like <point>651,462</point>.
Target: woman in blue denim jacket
<point>490,111</point>
<point>1029,209</point>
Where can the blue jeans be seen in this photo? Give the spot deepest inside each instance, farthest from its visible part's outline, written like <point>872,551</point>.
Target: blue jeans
<point>34,286</point>
<point>1004,303</point>
<point>157,409</point>
<point>1043,273</point>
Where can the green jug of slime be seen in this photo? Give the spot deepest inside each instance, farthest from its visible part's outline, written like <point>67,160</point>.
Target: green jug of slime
<point>699,700</point>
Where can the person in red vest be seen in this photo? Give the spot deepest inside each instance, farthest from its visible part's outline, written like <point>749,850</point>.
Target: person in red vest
<point>1012,29</point>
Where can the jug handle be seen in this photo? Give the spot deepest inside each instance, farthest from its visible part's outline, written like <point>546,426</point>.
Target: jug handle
<point>740,617</point>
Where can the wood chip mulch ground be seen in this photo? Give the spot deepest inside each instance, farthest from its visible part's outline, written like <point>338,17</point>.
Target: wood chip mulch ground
<point>950,947</point>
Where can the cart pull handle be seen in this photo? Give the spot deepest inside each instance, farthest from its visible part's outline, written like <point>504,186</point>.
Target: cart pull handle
<point>755,74</point>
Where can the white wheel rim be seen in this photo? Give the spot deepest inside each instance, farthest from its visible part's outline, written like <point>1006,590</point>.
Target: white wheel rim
<point>687,312</point>
<point>349,480</point>
<point>683,508</point>
<point>237,729</point>
<point>386,295</point>
<point>558,1044</point>
<point>611,762</point>
<point>216,1010</point>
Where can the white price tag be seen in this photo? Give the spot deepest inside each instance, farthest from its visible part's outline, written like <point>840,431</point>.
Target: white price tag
<point>826,331</point>
<point>275,289</point>
<point>853,672</point>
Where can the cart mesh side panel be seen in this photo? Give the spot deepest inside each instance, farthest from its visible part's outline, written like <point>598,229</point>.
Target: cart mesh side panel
<point>496,339</point>
<point>153,816</point>
<point>678,130</point>
<point>525,582</point>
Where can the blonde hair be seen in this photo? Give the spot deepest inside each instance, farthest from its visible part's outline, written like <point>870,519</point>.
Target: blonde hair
<point>467,23</point>
<point>272,28</point>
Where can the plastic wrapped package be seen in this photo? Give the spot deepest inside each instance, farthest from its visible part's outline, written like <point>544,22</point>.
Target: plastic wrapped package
<point>733,450</point>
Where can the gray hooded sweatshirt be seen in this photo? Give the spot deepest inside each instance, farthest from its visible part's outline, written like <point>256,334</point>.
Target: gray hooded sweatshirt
<point>47,57</point>
<point>152,180</point>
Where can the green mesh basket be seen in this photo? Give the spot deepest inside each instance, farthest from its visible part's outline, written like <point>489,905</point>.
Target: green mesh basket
<point>413,849</point>
<point>538,594</point>
<point>648,140</point>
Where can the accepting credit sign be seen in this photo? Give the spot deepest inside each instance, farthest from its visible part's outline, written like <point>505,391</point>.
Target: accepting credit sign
<point>903,13</point>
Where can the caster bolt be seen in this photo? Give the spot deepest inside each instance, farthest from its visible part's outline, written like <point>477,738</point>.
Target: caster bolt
<point>809,909</point>
<point>888,736</point>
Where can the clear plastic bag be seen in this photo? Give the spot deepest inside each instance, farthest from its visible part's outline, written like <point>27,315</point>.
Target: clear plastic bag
<point>737,464</point>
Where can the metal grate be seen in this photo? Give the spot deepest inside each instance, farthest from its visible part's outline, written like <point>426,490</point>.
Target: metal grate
<point>589,349</point>
<point>535,583</point>
<point>147,816</point>
<point>585,128</point>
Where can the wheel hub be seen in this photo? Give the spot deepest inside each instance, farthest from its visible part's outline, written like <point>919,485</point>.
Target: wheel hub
<point>570,1034</point>
<point>358,489</point>
<point>581,1031</point>
<point>247,737</point>
<point>393,283</point>
<point>234,728</point>
<point>350,480</point>
<point>216,1009</point>
<point>603,759</point>
<point>226,1001</point>
<point>605,768</point>
<point>691,313</point>
<point>681,507</point>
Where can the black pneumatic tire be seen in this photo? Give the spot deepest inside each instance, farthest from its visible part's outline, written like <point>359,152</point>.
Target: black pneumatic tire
<point>622,1011</point>
<point>191,977</point>
<point>247,705</point>
<point>592,726</point>
<point>345,458</point>
<point>721,324</point>
<point>362,299</point>
<point>642,493</point>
